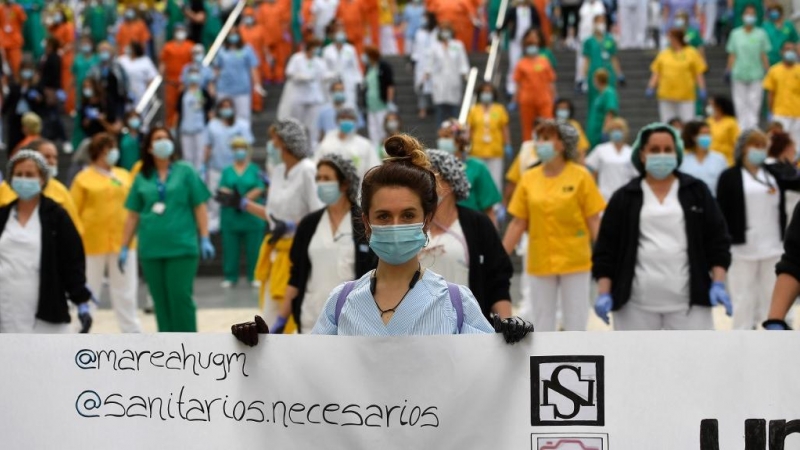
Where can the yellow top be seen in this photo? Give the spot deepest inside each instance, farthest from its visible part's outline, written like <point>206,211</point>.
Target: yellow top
<point>677,73</point>
<point>784,83</point>
<point>386,16</point>
<point>486,130</point>
<point>583,142</point>
<point>526,157</point>
<point>557,209</point>
<point>100,201</point>
<point>724,133</point>
<point>54,191</point>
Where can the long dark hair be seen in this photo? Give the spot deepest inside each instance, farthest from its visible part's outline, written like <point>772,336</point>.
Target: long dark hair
<point>148,160</point>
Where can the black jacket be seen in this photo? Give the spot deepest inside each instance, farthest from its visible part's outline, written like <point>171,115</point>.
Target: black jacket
<point>708,241</point>
<point>63,265</point>
<point>35,99</point>
<point>730,196</point>
<point>510,23</point>
<point>790,261</point>
<point>385,79</point>
<point>301,264</point>
<point>490,268</point>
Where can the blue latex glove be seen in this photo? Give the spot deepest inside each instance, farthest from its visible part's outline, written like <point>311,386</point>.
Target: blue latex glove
<point>512,106</point>
<point>203,171</point>
<point>243,204</point>
<point>602,306</point>
<point>279,229</point>
<point>719,296</point>
<point>703,94</point>
<point>32,95</point>
<point>85,317</point>
<point>509,150</point>
<point>500,213</point>
<point>92,113</point>
<point>265,179</point>
<point>61,95</point>
<point>122,259</point>
<point>622,81</point>
<point>770,117</point>
<point>649,92</point>
<point>727,77</point>
<point>279,326</point>
<point>776,325</point>
<point>206,248</point>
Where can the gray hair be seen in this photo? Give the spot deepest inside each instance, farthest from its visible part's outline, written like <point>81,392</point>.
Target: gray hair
<point>452,171</point>
<point>25,155</point>
<point>346,167</point>
<point>293,135</point>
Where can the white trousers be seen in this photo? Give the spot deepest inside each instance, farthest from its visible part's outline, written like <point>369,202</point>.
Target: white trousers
<point>541,303</point>
<point>668,110</point>
<point>307,114</point>
<point>495,166</point>
<point>375,126</point>
<point>711,22</point>
<point>791,125</point>
<point>193,147</point>
<point>633,24</point>
<point>122,286</point>
<point>244,106</point>
<point>751,284</point>
<point>747,99</point>
<point>214,176</point>
<point>514,55</point>
<point>388,41</point>
<point>634,318</point>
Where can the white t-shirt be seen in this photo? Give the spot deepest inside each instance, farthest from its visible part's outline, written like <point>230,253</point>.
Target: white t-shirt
<point>761,204</point>
<point>614,168</point>
<point>20,261</point>
<point>356,148</point>
<point>293,196</point>
<point>447,255</point>
<point>140,72</point>
<point>661,277</point>
<point>333,262</point>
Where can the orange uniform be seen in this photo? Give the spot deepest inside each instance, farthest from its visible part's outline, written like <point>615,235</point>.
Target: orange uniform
<point>373,12</point>
<point>534,77</point>
<point>175,55</point>
<point>64,33</point>
<point>12,18</point>
<point>254,37</point>
<point>459,14</point>
<point>132,31</point>
<point>275,19</point>
<point>351,14</point>
<point>541,8</point>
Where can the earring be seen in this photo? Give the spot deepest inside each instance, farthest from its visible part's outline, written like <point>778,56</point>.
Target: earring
<point>427,240</point>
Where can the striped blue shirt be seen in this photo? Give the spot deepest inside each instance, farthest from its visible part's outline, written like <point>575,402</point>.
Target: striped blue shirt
<point>426,310</point>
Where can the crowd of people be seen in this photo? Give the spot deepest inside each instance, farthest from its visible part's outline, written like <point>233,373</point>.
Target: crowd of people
<point>657,216</point>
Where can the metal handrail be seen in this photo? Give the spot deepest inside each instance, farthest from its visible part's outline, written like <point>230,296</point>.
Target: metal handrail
<point>148,97</point>
<point>466,103</point>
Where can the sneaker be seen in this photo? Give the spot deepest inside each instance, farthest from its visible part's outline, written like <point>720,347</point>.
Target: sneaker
<point>67,147</point>
<point>226,284</point>
<point>255,284</point>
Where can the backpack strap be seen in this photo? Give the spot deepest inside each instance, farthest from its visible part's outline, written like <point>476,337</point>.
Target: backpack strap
<point>348,287</point>
<point>458,305</point>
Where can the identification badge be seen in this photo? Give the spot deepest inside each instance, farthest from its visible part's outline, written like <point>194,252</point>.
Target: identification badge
<point>159,208</point>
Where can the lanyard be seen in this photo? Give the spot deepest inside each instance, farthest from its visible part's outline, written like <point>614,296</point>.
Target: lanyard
<point>764,182</point>
<point>110,175</point>
<point>162,185</point>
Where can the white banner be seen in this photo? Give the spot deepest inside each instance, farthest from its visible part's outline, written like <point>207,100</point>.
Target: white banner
<point>565,391</point>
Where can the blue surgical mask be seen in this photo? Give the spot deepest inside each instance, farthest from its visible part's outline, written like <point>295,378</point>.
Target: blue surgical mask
<point>163,148</point>
<point>239,154</point>
<point>339,97</point>
<point>26,74</point>
<point>756,156</point>
<point>790,56</point>
<point>134,123</point>
<point>774,15</point>
<point>226,113</point>
<point>487,97</point>
<point>616,136</point>
<point>112,157</point>
<point>546,151</point>
<point>704,141</point>
<point>273,154</point>
<point>249,20</point>
<point>661,165</point>
<point>446,35</point>
<point>104,55</point>
<point>328,192</point>
<point>397,244</point>
<point>86,48</point>
<point>562,115</point>
<point>680,22</point>
<point>88,92</point>
<point>532,50</point>
<point>198,58</point>
<point>347,126</point>
<point>340,37</point>
<point>233,39</point>
<point>130,14</point>
<point>26,188</point>
<point>749,19</point>
<point>193,78</point>
<point>446,145</point>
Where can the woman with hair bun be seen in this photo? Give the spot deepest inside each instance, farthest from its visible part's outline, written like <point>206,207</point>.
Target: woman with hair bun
<point>399,297</point>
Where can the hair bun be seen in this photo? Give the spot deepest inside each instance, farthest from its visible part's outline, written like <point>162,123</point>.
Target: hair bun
<point>402,147</point>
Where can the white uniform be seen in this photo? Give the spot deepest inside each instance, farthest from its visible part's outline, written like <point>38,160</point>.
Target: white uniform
<point>332,263</point>
<point>305,91</point>
<point>448,255</point>
<point>356,148</point>
<point>632,23</point>
<point>421,57</point>
<point>324,12</point>
<point>613,167</point>
<point>447,68</point>
<point>140,72</point>
<point>342,63</point>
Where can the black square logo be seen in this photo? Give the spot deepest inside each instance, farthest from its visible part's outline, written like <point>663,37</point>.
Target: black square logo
<point>567,391</point>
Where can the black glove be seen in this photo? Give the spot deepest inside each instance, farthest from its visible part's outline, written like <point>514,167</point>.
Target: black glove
<point>514,329</point>
<point>279,229</point>
<point>248,332</point>
<point>231,199</point>
<point>85,317</point>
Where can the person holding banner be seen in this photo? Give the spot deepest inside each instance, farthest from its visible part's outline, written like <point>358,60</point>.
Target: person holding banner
<point>663,251</point>
<point>42,263</point>
<point>787,285</point>
<point>400,297</point>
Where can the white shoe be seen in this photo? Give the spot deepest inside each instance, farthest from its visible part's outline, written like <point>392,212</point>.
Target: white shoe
<point>226,284</point>
<point>255,284</point>
<point>68,148</point>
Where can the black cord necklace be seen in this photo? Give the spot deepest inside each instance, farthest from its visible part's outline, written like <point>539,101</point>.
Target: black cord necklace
<point>373,284</point>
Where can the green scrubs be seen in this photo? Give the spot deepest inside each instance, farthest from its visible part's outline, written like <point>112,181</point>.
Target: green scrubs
<point>129,150</point>
<point>80,68</point>
<point>175,15</point>
<point>213,23</point>
<point>168,241</point>
<point>779,36</point>
<point>606,102</point>
<point>483,193</point>
<point>33,31</point>
<point>238,228</point>
<point>599,53</point>
<point>692,38</point>
<point>98,18</point>
<point>547,53</point>
<point>297,20</point>
<point>738,11</point>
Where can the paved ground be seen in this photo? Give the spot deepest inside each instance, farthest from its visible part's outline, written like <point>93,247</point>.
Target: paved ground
<point>218,308</point>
